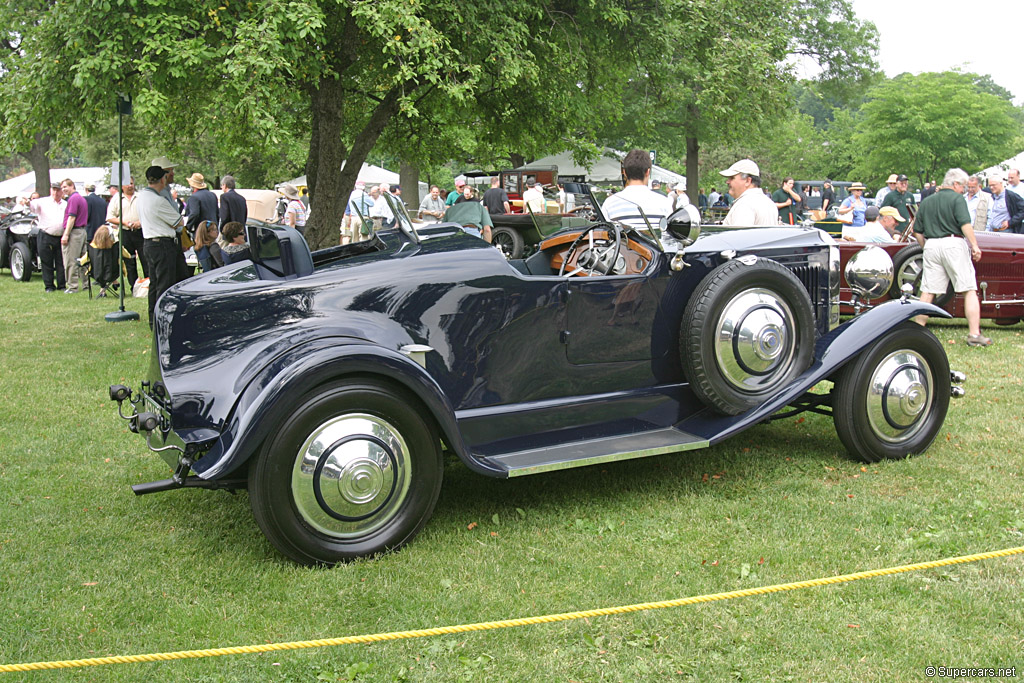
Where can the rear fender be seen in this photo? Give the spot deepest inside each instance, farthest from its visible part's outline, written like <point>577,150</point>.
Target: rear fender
<point>831,352</point>
<point>277,388</point>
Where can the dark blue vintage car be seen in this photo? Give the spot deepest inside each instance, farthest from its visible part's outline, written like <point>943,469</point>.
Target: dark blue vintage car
<point>329,384</point>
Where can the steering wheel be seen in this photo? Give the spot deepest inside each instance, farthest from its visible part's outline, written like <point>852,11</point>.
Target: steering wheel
<point>593,258</point>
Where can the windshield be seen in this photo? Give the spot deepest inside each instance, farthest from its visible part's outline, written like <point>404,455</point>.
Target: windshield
<point>402,218</point>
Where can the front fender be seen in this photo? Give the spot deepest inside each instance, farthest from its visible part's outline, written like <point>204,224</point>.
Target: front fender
<point>831,352</point>
<point>279,385</point>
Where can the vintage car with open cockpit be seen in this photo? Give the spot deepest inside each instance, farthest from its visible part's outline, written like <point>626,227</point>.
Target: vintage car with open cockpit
<point>329,383</point>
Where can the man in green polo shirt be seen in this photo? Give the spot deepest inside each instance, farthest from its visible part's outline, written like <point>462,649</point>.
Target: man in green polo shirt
<point>943,228</point>
<point>900,198</point>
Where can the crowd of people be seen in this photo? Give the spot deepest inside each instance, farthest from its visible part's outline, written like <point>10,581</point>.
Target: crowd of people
<point>152,225</point>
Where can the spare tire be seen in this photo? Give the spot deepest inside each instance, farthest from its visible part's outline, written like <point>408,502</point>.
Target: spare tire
<point>747,331</point>
<point>908,267</point>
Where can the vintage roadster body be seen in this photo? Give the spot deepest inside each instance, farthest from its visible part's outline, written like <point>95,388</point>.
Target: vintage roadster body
<point>328,383</point>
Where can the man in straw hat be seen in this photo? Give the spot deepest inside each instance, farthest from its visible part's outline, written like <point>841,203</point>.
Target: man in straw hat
<point>890,185</point>
<point>200,210</point>
<point>752,206</point>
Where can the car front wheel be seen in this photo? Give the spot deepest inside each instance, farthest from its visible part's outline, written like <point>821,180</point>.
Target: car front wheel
<point>21,262</point>
<point>353,471</point>
<point>891,401</point>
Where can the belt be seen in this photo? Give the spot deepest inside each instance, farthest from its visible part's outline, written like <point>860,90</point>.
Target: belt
<point>175,239</point>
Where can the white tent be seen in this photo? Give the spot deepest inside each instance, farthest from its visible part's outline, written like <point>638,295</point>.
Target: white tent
<point>1015,162</point>
<point>25,184</point>
<point>605,170</point>
<point>371,175</point>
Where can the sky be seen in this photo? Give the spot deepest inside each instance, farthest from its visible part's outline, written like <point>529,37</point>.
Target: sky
<point>939,36</point>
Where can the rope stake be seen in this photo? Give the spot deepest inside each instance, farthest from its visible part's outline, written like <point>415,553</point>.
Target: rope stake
<point>508,623</point>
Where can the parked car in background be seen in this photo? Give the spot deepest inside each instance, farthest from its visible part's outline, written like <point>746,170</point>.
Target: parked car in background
<point>1000,275</point>
<point>18,244</point>
<point>327,383</point>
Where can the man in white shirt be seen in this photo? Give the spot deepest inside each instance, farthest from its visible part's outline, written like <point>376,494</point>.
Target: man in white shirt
<point>50,212</point>
<point>533,198</point>
<point>636,205</point>
<point>381,212</point>
<point>752,206</point>
<point>165,262</point>
<point>1013,183</point>
<point>890,185</point>
<point>877,227</point>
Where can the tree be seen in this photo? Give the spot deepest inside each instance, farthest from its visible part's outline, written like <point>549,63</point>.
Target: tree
<point>926,124</point>
<point>718,70</point>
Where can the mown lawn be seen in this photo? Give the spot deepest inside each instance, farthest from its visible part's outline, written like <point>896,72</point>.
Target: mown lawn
<point>88,569</point>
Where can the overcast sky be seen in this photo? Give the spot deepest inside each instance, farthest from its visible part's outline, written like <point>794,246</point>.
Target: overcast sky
<point>917,37</point>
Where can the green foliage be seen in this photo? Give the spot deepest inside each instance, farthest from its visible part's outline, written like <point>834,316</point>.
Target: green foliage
<point>923,125</point>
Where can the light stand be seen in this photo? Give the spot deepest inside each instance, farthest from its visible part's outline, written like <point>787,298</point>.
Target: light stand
<point>124,108</point>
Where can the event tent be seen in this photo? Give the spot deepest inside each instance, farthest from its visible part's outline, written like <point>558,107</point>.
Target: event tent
<point>25,184</point>
<point>606,169</point>
<point>369,174</point>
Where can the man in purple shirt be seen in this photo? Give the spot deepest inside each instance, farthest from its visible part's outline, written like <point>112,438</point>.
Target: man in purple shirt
<point>72,242</point>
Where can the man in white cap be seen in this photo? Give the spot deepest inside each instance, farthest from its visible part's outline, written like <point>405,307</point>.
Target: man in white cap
<point>752,206</point>
<point>890,185</point>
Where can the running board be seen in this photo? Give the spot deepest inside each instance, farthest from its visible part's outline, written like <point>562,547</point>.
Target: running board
<point>596,451</point>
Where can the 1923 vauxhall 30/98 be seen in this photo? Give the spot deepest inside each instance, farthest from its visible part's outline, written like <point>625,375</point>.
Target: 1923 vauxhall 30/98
<point>328,384</point>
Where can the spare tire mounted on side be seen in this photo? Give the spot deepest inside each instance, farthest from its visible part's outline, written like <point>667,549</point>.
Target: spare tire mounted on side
<point>747,331</point>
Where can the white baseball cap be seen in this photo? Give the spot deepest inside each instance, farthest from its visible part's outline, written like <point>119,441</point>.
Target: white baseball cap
<point>742,166</point>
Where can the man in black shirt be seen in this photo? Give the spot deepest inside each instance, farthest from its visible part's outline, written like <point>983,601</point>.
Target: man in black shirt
<point>232,204</point>
<point>828,196</point>
<point>496,198</point>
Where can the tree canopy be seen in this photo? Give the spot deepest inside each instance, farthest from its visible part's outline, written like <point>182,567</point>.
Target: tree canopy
<point>924,125</point>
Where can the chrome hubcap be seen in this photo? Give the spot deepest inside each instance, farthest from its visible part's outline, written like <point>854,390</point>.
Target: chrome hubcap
<point>899,396</point>
<point>17,264</point>
<point>351,475</point>
<point>754,339</point>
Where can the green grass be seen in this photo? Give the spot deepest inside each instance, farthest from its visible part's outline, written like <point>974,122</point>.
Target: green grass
<point>88,569</point>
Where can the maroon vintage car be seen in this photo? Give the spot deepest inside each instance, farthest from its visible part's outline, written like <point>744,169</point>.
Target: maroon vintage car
<point>1000,276</point>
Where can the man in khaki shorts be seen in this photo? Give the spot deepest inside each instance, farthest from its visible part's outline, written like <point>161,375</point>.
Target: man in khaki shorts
<point>943,227</point>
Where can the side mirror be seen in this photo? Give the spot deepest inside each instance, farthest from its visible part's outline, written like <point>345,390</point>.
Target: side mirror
<point>683,224</point>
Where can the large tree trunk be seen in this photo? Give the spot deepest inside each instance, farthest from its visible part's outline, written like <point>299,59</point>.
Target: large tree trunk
<point>39,157</point>
<point>331,185</point>
<point>409,179</point>
<point>692,177</point>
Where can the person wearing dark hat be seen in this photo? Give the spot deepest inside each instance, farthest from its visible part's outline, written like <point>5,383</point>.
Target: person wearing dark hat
<point>200,209</point>
<point>854,206</point>
<point>232,204</point>
<point>901,199</point>
<point>168,166</point>
<point>165,262</point>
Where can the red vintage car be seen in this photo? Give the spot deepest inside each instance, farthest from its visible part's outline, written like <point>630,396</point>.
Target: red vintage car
<point>1000,276</point>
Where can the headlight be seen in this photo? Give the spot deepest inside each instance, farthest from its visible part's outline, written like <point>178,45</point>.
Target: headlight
<point>869,272</point>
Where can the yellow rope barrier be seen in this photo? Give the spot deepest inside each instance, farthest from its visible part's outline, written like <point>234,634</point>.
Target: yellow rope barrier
<point>508,623</point>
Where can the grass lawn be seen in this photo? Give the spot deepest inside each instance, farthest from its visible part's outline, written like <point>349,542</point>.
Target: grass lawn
<point>89,570</point>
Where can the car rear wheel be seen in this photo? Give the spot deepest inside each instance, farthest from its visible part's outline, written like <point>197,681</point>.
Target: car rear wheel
<point>908,268</point>
<point>21,262</point>
<point>891,400</point>
<point>508,241</point>
<point>353,471</point>
<point>747,331</point>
